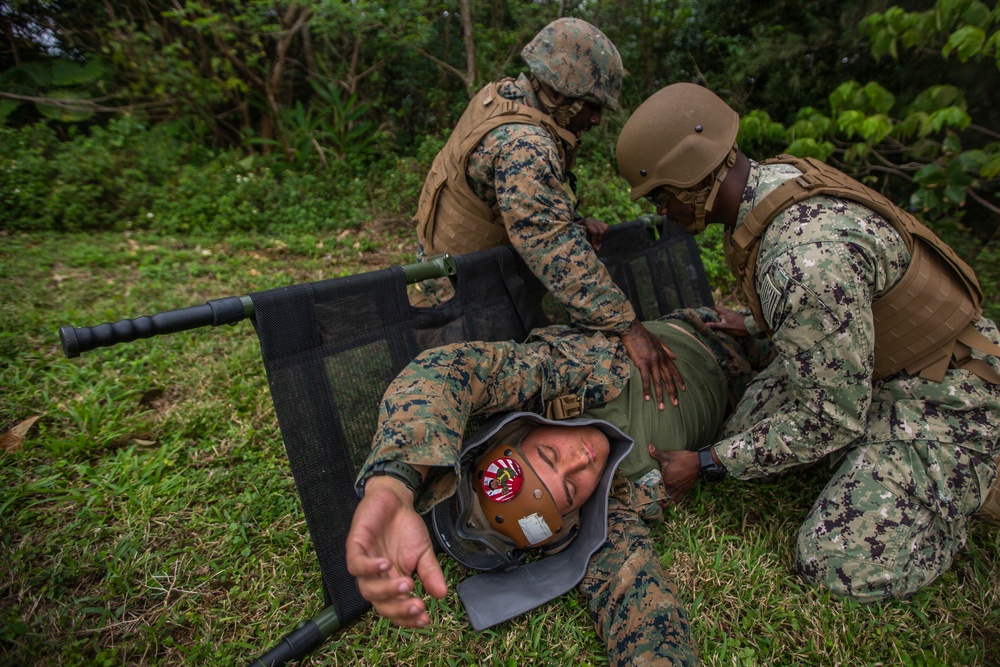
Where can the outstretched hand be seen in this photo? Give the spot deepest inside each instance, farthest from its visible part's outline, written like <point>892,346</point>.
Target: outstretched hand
<point>655,363</point>
<point>679,470</point>
<point>388,543</point>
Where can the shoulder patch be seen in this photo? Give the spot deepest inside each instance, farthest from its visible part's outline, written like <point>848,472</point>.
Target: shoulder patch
<point>772,293</point>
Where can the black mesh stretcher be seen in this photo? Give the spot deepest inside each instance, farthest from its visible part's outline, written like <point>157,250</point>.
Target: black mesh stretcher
<point>331,348</point>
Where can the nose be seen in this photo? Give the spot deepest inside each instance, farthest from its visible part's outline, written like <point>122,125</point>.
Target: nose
<point>595,117</point>
<point>579,461</point>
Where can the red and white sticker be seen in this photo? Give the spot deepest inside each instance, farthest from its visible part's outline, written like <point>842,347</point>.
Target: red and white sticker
<point>502,479</point>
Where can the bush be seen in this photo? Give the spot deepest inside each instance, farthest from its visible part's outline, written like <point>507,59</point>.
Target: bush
<point>26,176</point>
<point>127,176</point>
<point>95,180</point>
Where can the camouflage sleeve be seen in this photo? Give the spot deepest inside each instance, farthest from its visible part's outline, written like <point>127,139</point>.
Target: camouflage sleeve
<point>816,293</point>
<point>424,412</point>
<point>538,214</point>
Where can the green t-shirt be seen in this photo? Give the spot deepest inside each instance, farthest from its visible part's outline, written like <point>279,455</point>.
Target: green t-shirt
<point>694,423</point>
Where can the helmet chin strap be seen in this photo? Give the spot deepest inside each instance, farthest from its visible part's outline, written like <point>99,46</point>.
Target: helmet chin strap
<point>704,199</point>
<point>561,114</point>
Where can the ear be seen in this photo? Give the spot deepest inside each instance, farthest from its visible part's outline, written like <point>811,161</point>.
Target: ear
<point>557,98</point>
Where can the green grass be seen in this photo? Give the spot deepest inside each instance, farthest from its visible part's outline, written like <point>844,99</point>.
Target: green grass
<point>149,518</point>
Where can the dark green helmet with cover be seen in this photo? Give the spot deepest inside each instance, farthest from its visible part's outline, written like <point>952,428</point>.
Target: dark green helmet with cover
<point>577,60</point>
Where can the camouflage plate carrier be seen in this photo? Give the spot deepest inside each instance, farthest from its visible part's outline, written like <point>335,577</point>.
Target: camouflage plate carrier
<point>450,217</point>
<point>923,324</point>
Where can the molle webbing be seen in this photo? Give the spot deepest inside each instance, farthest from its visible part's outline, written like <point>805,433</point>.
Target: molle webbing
<point>923,324</point>
<point>450,217</point>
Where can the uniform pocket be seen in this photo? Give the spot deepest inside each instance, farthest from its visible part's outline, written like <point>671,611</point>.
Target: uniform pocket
<point>947,479</point>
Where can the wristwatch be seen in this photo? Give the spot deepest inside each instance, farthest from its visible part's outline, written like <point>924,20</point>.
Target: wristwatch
<point>710,470</point>
<point>404,472</point>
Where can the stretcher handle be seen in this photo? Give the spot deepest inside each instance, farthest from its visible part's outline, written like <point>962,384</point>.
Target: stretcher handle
<point>227,310</point>
<point>303,640</point>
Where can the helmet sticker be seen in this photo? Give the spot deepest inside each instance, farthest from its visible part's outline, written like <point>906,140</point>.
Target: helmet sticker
<point>502,479</point>
<point>535,529</point>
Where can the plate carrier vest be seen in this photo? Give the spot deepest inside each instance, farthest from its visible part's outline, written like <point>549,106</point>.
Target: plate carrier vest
<point>450,217</point>
<point>923,324</point>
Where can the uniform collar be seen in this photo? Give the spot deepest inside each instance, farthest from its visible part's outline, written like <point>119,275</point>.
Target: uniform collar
<point>750,192</point>
<point>520,91</point>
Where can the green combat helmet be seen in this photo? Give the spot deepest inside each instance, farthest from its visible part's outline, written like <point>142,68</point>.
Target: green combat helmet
<point>577,60</point>
<point>676,138</point>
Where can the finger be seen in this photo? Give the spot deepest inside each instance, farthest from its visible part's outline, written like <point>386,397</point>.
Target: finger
<point>675,374</point>
<point>658,379</point>
<point>384,589</point>
<point>663,458</point>
<point>670,383</point>
<point>429,571</point>
<point>644,374</point>
<point>360,564</point>
<point>404,612</point>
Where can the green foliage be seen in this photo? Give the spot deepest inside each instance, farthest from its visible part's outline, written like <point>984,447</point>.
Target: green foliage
<point>935,130</point>
<point>60,87</point>
<point>332,127</point>
<point>125,176</point>
<point>604,194</point>
<point>929,144</point>
<point>759,134</point>
<point>89,182</point>
<point>713,258</point>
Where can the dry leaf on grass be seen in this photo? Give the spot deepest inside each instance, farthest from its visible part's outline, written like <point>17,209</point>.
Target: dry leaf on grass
<point>12,440</point>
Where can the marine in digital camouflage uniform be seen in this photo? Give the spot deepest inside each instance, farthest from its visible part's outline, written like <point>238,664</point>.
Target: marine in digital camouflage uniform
<point>913,458</point>
<point>425,411</point>
<point>520,174</point>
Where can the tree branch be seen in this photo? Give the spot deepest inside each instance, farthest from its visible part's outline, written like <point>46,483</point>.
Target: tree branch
<point>443,65</point>
<point>985,204</point>
<point>81,105</point>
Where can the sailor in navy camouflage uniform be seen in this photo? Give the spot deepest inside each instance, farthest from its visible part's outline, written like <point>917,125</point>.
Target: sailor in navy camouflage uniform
<point>913,459</point>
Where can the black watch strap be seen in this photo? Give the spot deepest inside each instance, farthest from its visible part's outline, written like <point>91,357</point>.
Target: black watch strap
<point>404,472</point>
<point>710,470</point>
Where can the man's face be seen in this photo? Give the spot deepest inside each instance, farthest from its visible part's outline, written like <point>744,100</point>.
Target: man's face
<point>587,117</point>
<point>569,460</point>
<point>669,205</point>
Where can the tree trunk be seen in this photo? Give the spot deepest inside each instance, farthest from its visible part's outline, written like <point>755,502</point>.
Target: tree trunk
<point>470,46</point>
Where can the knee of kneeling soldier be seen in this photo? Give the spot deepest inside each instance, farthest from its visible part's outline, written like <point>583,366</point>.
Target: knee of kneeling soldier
<point>823,563</point>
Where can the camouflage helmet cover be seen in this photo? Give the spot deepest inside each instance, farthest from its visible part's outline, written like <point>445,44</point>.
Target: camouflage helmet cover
<point>577,60</point>
<point>676,138</point>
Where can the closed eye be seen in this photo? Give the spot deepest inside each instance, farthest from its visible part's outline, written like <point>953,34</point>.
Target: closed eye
<point>550,455</point>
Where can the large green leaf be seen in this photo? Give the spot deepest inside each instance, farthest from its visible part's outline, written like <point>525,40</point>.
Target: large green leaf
<point>70,73</point>
<point>62,113</point>
<point>7,107</point>
<point>967,41</point>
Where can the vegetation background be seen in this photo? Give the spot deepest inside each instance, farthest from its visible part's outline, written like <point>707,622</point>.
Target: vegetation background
<point>156,154</point>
